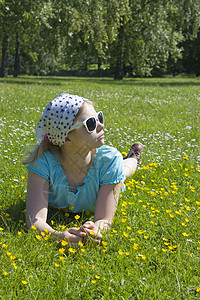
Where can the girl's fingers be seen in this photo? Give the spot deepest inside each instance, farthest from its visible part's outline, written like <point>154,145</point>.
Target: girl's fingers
<point>88,224</point>
<point>77,231</point>
<point>94,235</point>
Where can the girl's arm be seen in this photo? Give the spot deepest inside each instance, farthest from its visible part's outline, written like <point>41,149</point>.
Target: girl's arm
<point>37,209</point>
<point>106,205</point>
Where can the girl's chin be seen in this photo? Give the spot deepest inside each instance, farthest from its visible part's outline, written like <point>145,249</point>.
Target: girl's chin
<point>100,142</point>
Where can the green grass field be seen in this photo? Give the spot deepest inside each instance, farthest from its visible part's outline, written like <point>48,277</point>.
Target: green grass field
<point>152,250</point>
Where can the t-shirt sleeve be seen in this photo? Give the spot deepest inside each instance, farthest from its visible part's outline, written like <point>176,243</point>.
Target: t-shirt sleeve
<point>112,168</point>
<point>40,166</point>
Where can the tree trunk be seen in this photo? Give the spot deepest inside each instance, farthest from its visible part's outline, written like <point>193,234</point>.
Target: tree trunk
<point>119,73</point>
<point>4,56</point>
<point>17,57</point>
<point>99,66</point>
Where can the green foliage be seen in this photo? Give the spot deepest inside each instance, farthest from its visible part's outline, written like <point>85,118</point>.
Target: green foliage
<point>73,34</point>
<point>152,248</point>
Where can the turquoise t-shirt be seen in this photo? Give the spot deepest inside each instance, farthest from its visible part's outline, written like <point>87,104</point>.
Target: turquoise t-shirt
<point>107,168</point>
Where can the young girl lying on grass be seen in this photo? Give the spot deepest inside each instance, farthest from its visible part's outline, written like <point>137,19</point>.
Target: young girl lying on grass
<point>71,167</point>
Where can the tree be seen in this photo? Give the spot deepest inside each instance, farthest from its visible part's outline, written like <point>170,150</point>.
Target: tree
<point>152,32</point>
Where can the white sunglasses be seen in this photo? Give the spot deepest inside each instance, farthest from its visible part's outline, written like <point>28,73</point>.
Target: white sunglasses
<point>90,123</point>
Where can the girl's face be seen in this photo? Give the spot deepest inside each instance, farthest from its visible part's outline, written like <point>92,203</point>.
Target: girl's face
<point>81,137</point>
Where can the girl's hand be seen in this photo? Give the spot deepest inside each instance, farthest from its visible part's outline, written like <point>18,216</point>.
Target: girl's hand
<point>73,236</point>
<point>92,232</point>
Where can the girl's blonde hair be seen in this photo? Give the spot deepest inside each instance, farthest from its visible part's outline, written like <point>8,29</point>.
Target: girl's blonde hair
<point>48,146</point>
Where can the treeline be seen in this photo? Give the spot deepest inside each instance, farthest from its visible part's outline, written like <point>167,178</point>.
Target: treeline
<point>114,37</point>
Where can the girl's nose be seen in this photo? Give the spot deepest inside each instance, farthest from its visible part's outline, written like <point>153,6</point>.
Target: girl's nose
<point>100,126</point>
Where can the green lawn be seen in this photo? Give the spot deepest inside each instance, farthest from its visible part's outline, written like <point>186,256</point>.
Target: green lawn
<point>152,250</point>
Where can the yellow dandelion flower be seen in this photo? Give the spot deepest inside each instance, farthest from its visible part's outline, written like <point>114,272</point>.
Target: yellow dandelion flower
<point>19,233</point>
<point>127,253</point>
<point>188,208</point>
<point>177,212</point>
<point>77,217</point>
<point>198,289</point>
<point>144,257</point>
<point>124,153</point>
<point>185,234</point>
<point>125,234</point>
<point>33,227</point>
<point>57,265</point>
<point>8,253</point>
<point>197,202</point>
<point>22,177</point>
<point>5,246</point>
<point>61,250</point>
<point>83,250</point>
<point>187,220</point>
<point>170,247</point>
<point>146,237</point>
<point>97,277</point>
<point>14,265</point>
<point>128,227</point>
<point>164,250</point>
<point>140,231</point>
<point>1,229</point>
<point>132,239</point>
<point>72,250</point>
<point>114,231</point>
<point>5,273</point>
<point>80,244</point>
<point>46,230</point>
<point>171,216</point>
<point>124,203</point>
<point>93,281</point>
<point>64,243</point>
<point>38,237</point>
<point>24,282</point>
<point>164,239</point>
<point>186,199</point>
<point>93,266</point>
<point>104,243</point>
<point>12,257</point>
<point>61,257</point>
<point>183,224</point>
<point>123,220</point>
<point>120,252</point>
<point>135,246</point>
<point>92,232</point>
<point>42,233</point>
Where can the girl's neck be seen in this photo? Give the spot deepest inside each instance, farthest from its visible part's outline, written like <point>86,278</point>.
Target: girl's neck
<point>76,161</point>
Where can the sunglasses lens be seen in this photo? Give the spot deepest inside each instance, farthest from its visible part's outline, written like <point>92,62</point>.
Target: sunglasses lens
<point>100,117</point>
<point>91,124</point>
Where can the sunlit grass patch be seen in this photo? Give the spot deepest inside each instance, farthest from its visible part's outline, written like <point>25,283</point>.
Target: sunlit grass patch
<point>152,248</point>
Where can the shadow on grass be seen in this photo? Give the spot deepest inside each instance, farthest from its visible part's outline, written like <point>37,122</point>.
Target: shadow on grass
<point>56,81</point>
<point>13,217</point>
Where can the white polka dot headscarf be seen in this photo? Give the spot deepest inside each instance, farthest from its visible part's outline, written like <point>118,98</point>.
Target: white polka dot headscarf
<point>57,118</point>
